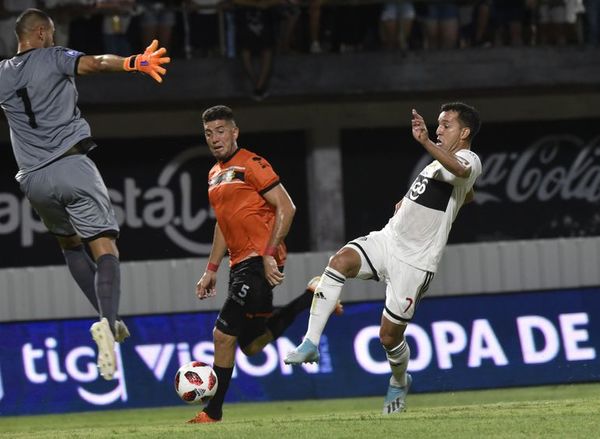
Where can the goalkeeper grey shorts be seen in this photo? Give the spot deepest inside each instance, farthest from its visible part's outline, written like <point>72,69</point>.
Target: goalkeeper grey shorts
<point>71,198</point>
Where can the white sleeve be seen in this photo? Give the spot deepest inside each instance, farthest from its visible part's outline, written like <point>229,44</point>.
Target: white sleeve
<point>468,158</point>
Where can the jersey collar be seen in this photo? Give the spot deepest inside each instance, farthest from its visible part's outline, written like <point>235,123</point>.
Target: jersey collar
<point>231,156</point>
<point>26,51</point>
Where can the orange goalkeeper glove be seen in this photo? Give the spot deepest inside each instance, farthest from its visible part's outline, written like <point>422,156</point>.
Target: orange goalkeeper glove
<point>148,62</point>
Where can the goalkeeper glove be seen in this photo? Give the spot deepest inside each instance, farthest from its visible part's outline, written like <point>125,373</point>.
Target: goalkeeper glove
<point>148,62</point>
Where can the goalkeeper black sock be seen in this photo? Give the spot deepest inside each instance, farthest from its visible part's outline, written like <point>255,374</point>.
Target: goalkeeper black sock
<point>285,316</point>
<point>214,409</point>
<point>83,270</point>
<point>108,280</point>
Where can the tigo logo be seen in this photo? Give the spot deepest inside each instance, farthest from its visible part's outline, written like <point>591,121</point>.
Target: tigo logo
<point>156,357</point>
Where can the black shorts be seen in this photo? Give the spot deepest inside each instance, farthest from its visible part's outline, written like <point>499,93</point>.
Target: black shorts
<point>249,301</point>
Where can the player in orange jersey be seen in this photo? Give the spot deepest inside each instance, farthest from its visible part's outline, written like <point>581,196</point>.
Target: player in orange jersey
<point>254,214</point>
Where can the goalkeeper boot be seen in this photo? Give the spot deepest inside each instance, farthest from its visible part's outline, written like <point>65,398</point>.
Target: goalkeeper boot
<point>307,352</point>
<point>312,286</point>
<point>202,418</point>
<point>395,400</point>
<point>105,340</point>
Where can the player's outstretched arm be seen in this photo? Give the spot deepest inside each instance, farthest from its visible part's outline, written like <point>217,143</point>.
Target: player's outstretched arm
<point>150,62</point>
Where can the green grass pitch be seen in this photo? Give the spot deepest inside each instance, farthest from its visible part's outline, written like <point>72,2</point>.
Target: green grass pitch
<point>565,411</point>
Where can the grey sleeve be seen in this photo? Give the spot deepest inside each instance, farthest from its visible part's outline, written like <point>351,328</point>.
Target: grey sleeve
<point>66,60</point>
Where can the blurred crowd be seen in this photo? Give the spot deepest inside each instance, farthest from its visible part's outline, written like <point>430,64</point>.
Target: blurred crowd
<point>256,30</point>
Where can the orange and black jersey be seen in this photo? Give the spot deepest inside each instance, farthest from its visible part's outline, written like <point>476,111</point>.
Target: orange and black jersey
<point>235,189</point>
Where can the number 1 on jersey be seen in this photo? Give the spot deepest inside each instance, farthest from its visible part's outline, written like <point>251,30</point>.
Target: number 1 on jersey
<point>22,93</point>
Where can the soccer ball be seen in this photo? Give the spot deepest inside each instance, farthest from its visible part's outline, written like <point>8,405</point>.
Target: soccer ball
<point>196,382</point>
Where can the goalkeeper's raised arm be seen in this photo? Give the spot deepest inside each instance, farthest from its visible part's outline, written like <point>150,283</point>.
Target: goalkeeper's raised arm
<point>150,62</point>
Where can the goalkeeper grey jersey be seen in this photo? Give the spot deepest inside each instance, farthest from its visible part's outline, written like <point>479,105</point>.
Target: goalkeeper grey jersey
<point>39,98</point>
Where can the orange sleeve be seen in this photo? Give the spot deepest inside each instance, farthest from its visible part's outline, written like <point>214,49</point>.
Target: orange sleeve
<point>260,174</point>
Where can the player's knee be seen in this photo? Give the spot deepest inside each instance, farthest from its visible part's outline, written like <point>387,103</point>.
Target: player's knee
<point>69,242</point>
<point>389,340</point>
<point>222,340</point>
<point>252,343</point>
<point>345,261</point>
<point>103,245</point>
<point>251,349</point>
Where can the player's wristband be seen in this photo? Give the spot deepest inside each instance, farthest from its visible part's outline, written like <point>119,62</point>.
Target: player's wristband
<point>129,63</point>
<point>270,251</point>
<point>212,267</point>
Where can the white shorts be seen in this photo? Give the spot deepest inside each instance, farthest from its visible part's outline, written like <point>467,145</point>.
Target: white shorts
<point>405,284</point>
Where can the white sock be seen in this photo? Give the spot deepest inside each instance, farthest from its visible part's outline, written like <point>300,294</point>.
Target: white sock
<point>398,358</point>
<point>325,298</point>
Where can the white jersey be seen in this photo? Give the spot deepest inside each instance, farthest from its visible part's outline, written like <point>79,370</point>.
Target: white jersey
<point>421,226</point>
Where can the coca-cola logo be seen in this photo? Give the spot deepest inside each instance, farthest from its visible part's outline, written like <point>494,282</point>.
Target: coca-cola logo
<point>555,167</point>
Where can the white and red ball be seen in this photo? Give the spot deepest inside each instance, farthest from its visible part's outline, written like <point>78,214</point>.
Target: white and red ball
<point>196,382</point>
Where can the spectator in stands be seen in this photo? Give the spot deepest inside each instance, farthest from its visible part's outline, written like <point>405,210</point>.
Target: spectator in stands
<point>575,21</point>
<point>204,27</point>
<point>441,26</point>
<point>592,15</point>
<point>559,22</point>
<point>116,18</point>
<point>255,33</point>
<point>157,20</point>
<point>355,22</point>
<point>289,13</point>
<point>552,22</point>
<point>575,11</point>
<point>508,18</point>
<point>314,25</point>
<point>396,24</point>
<point>481,21</point>
<point>474,19</point>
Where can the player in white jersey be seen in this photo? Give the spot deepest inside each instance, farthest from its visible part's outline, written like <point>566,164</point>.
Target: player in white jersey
<point>406,252</point>
<point>50,141</point>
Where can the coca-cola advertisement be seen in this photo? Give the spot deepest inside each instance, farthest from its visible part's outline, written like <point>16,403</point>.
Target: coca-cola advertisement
<point>539,180</point>
<point>158,187</point>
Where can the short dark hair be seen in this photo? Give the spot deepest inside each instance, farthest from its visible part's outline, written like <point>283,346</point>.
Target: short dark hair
<point>29,19</point>
<point>467,115</point>
<point>218,112</point>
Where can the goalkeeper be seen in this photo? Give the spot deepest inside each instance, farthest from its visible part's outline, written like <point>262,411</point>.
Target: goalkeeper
<point>50,142</point>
